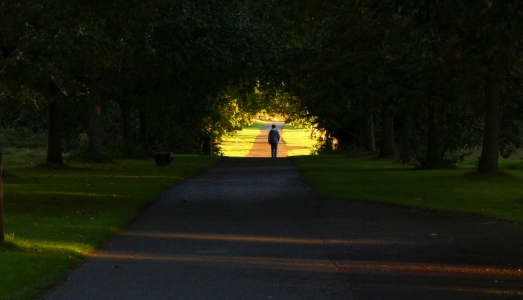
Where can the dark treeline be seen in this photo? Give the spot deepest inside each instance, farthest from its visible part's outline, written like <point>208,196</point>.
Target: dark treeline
<point>136,76</point>
<point>424,81</point>
<point>431,79</point>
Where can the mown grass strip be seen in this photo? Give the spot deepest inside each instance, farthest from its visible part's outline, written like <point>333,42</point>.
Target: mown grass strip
<point>241,143</point>
<point>298,137</point>
<point>55,217</point>
<point>357,177</point>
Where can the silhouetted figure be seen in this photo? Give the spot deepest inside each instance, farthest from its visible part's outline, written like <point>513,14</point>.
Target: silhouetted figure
<point>274,139</point>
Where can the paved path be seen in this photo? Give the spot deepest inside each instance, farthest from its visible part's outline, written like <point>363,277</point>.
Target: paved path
<point>261,147</point>
<point>249,228</point>
<point>241,230</point>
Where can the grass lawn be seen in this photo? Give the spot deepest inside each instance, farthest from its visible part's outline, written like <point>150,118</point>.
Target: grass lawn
<point>55,217</point>
<point>359,177</point>
<point>241,143</point>
<point>298,137</point>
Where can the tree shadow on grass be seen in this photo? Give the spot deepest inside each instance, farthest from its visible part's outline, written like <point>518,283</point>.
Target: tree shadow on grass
<point>9,246</point>
<point>515,166</point>
<point>9,177</point>
<point>475,175</point>
<point>53,167</point>
<point>64,167</point>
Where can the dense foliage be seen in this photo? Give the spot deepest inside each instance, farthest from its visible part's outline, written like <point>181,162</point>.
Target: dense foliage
<point>131,75</point>
<point>433,80</point>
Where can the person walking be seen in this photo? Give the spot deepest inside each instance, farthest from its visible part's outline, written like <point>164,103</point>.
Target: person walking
<point>274,139</point>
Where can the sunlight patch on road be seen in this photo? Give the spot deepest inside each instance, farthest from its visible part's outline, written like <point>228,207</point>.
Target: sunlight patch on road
<point>288,264</point>
<point>443,288</point>
<point>262,239</point>
<point>426,269</point>
<point>340,267</point>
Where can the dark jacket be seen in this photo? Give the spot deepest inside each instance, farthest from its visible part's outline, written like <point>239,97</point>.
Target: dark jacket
<point>275,136</point>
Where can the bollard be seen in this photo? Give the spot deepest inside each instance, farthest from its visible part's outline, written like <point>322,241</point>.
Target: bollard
<point>163,158</point>
<point>207,145</point>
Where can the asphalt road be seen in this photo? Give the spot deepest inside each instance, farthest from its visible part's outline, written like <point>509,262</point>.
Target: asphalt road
<point>249,228</point>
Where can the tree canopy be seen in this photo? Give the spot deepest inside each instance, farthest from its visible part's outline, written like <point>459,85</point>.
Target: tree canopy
<point>428,78</point>
<point>444,74</point>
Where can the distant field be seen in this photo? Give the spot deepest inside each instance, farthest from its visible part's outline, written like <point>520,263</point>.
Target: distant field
<point>298,137</point>
<point>240,144</point>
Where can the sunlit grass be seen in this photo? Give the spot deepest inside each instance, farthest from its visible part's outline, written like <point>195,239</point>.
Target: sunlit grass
<point>241,143</point>
<point>55,217</point>
<point>355,177</point>
<point>299,138</point>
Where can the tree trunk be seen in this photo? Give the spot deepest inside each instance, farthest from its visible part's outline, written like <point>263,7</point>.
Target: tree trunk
<point>95,123</point>
<point>2,230</point>
<point>488,163</point>
<point>368,134</point>
<point>125,109</point>
<point>406,141</point>
<point>433,157</point>
<point>387,137</point>
<point>54,139</point>
<point>144,140</point>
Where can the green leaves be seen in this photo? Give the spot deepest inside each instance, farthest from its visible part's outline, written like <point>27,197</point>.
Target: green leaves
<point>338,61</point>
<point>361,57</point>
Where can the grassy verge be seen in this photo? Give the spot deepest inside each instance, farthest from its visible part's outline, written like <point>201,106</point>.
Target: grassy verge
<point>299,138</point>
<point>240,144</point>
<point>363,178</point>
<point>55,217</point>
